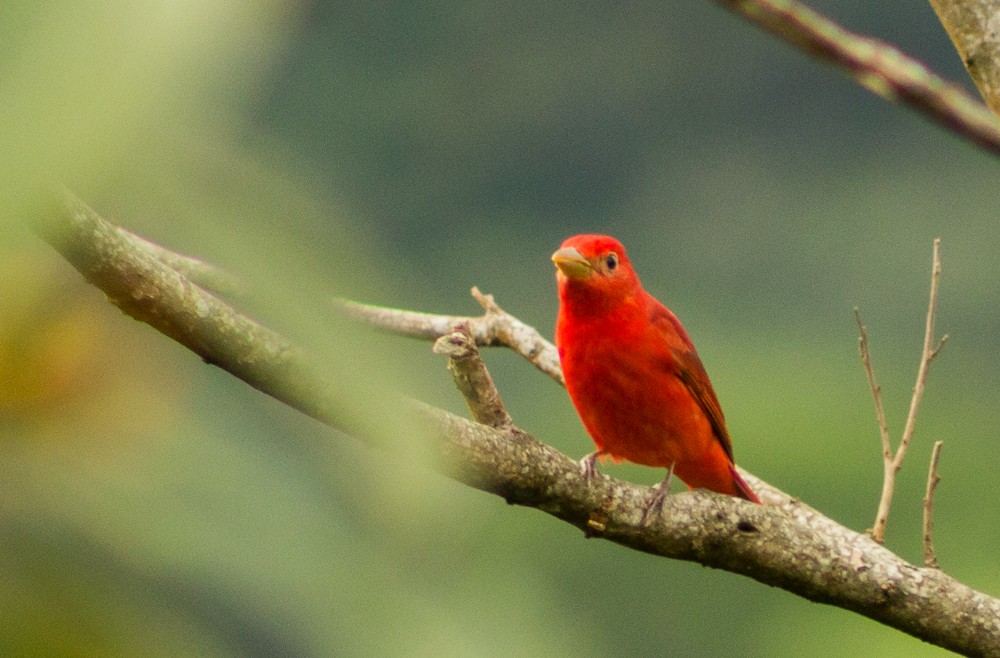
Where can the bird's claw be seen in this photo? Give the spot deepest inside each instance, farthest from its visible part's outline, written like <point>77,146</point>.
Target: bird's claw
<point>655,503</point>
<point>660,493</point>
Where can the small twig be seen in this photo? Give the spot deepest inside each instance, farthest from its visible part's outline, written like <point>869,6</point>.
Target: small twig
<point>888,472</point>
<point>472,377</point>
<point>929,351</point>
<point>866,359</point>
<point>892,463</point>
<point>875,65</point>
<point>494,327</point>
<point>930,559</point>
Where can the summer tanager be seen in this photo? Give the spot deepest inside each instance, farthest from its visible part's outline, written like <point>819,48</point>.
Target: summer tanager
<point>633,374</point>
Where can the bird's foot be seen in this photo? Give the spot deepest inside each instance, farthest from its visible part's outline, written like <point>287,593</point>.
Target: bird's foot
<point>660,493</point>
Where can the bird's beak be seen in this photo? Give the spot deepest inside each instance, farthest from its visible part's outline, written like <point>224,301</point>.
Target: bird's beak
<point>572,263</point>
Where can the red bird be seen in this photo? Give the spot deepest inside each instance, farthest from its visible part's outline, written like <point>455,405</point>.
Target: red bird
<point>633,374</point>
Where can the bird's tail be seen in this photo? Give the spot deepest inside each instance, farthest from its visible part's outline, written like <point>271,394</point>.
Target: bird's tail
<point>742,488</point>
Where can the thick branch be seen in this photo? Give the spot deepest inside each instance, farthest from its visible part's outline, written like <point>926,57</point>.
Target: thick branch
<point>972,26</point>
<point>195,270</point>
<point>829,565</point>
<point>144,287</point>
<point>877,66</point>
<point>784,544</point>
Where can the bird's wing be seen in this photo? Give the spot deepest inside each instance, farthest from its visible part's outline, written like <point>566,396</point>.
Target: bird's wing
<point>689,369</point>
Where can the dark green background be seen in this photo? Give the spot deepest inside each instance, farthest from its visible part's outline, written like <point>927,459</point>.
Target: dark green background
<point>399,153</point>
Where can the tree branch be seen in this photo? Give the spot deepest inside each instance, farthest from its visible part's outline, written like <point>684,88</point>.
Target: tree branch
<point>971,24</point>
<point>784,544</point>
<point>148,289</point>
<point>927,354</point>
<point>195,270</point>
<point>494,327</point>
<point>866,359</point>
<point>472,378</point>
<point>877,66</point>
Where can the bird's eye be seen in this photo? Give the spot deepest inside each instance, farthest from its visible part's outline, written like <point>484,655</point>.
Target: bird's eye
<point>611,261</point>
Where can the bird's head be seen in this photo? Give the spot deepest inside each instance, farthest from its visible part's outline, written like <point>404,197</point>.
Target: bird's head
<point>590,256</point>
<point>594,265</point>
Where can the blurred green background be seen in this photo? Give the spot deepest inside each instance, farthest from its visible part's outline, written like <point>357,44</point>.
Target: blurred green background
<point>399,153</point>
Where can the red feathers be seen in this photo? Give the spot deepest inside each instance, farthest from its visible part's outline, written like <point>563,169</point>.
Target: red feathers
<point>633,373</point>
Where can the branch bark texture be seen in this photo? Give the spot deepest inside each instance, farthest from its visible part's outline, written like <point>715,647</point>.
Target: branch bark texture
<point>974,28</point>
<point>783,543</point>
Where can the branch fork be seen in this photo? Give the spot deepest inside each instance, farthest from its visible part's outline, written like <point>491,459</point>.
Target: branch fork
<point>472,377</point>
<point>494,327</point>
<point>893,461</point>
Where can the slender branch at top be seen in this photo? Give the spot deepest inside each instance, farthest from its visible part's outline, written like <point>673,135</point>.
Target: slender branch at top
<point>876,65</point>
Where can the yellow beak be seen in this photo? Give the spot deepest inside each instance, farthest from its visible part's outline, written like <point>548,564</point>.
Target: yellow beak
<point>572,263</point>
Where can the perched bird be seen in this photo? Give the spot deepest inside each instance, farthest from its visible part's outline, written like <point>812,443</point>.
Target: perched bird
<point>633,374</point>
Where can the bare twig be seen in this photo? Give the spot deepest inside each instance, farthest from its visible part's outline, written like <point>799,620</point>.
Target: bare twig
<point>866,359</point>
<point>930,559</point>
<point>472,377</point>
<point>930,350</point>
<point>877,66</point>
<point>494,327</point>
<point>892,463</point>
